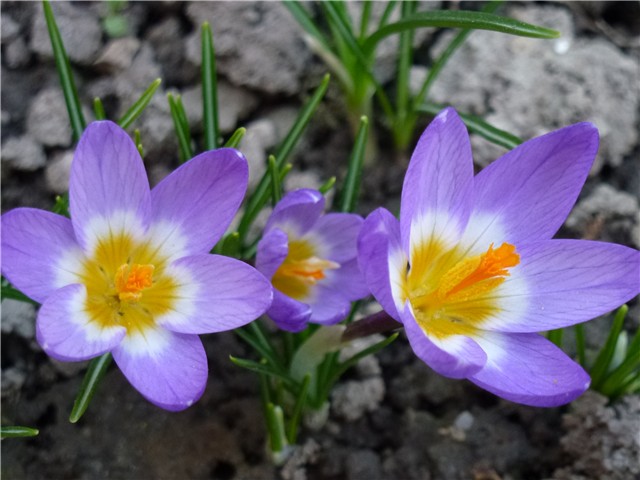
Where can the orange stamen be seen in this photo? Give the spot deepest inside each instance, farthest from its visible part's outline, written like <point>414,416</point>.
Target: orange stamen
<point>310,270</point>
<point>130,280</point>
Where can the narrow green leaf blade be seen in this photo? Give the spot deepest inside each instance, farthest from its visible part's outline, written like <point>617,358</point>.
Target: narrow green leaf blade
<point>478,126</point>
<point>138,107</point>
<point>301,400</point>
<point>351,188</point>
<point>459,19</point>
<point>16,431</point>
<point>603,360</point>
<point>98,109</point>
<point>96,371</point>
<point>260,196</point>
<point>209,89</point>
<point>182,130</point>
<point>76,117</point>
<point>276,187</point>
<point>328,185</point>
<point>236,138</point>
<point>263,369</point>
<point>9,291</point>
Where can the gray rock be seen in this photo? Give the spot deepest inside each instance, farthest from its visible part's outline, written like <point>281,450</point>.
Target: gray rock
<point>234,104</point>
<point>260,137</point>
<point>118,54</point>
<point>607,214</point>
<point>534,86</point>
<point>19,318</point>
<point>9,28</point>
<point>277,59</point>
<point>47,120</point>
<point>13,378</point>
<point>601,441</point>
<point>363,464</point>
<point>58,172</point>
<point>352,399</point>
<point>168,43</point>
<point>17,54</point>
<point>294,468</point>
<point>23,153</point>
<point>130,83</point>
<point>79,28</point>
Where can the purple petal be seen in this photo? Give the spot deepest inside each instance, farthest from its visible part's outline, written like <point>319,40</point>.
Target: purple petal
<point>382,260</point>
<point>531,189</point>
<point>456,356</point>
<point>297,212</point>
<point>272,251</point>
<point>527,368</point>
<point>563,282</point>
<point>108,184</point>
<point>66,333</point>
<point>336,235</point>
<point>287,313</point>
<point>328,306</point>
<point>216,293</point>
<point>168,369</point>
<point>347,280</point>
<point>194,205</point>
<point>438,187</point>
<point>39,252</point>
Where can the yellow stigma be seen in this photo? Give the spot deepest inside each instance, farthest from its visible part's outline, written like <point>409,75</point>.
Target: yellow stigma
<point>300,270</point>
<point>458,298</point>
<point>131,280</point>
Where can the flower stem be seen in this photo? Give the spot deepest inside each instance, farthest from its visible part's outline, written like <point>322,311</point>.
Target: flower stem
<point>377,323</point>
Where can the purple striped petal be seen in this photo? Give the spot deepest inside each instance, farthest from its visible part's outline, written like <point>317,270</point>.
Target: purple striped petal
<point>382,260</point>
<point>456,356</point>
<point>563,282</point>
<point>272,251</point>
<point>328,306</point>
<point>527,368</point>
<point>438,186</point>
<point>39,252</point>
<point>194,205</point>
<point>297,212</point>
<point>336,235</point>
<point>66,333</point>
<point>108,188</point>
<point>347,281</point>
<point>168,369</point>
<point>216,294</point>
<point>531,189</point>
<point>287,313</point>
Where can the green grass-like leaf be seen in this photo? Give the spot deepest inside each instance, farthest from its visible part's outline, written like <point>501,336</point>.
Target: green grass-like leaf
<point>264,369</point>
<point>478,126</point>
<point>236,138</point>
<point>603,360</point>
<point>276,186</point>
<point>301,400</point>
<point>96,371</point>
<point>138,107</point>
<point>458,19</point>
<point>16,431</point>
<point>181,126</point>
<point>260,196</point>
<point>351,187</point>
<point>76,117</point>
<point>209,89</point>
<point>98,109</point>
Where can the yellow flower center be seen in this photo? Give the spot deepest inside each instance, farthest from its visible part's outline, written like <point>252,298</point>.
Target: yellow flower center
<point>301,270</point>
<point>127,284</point>
<point>454,296</point>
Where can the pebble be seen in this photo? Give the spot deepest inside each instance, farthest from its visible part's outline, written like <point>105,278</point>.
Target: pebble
<point>23,153</point>
<point>118,54</point>
<point>19,318</point>
<point>352,399</point>
<point>58,172</point>
<point>47,119</point>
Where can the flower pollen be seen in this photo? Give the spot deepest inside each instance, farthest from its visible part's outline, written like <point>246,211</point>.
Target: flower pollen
<point>130,280</point>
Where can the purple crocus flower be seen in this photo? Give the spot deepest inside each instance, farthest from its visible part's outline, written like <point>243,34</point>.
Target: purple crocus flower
<point>471,269</point>
<point>130,272</point>
<point>311,260</point>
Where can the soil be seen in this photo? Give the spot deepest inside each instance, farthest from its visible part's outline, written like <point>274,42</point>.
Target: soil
<point>391,417</point>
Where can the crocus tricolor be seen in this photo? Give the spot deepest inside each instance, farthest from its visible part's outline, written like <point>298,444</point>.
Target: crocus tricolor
<point>311,260</point>
<point>130,273</point>
<point>470,268</point>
